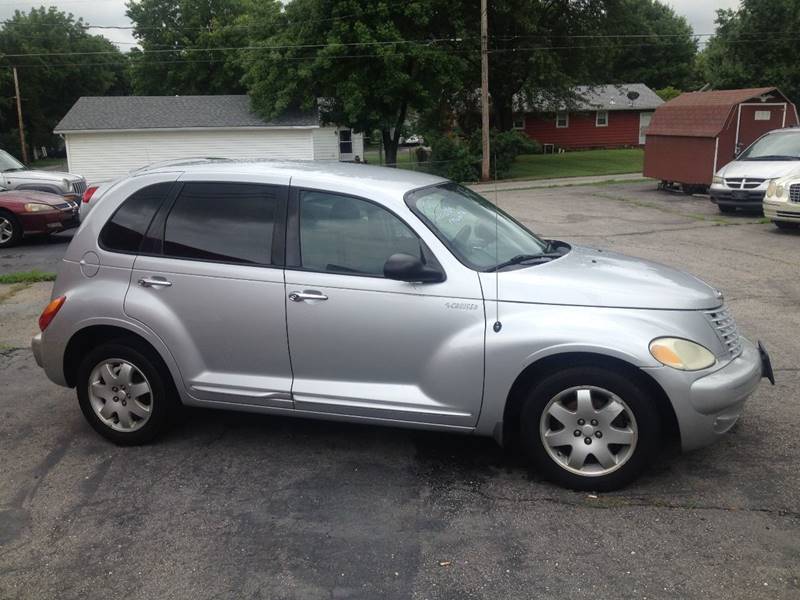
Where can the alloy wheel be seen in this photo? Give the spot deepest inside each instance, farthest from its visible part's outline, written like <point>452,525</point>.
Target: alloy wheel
<point>6,230</point>
<point>120,395</point>
<point>588,431</point>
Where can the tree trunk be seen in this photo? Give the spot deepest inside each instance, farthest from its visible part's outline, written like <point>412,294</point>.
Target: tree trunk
<point>503,112</point>
<point>391,139</point>
<point>390,144</point>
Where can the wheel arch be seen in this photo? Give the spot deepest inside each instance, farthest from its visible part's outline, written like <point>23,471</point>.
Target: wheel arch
<point>91,336</point>
<point>547,365</point>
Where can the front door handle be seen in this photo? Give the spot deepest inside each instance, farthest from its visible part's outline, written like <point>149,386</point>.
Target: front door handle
<point>154,282</point>
<point>307,295</point>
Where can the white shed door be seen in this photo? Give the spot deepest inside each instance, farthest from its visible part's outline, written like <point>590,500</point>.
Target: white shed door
<point>104,156</point>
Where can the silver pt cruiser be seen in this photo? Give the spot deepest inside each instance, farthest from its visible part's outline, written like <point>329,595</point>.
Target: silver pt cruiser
<point>383,296</point>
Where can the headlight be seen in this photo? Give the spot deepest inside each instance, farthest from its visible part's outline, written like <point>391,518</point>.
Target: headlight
<point>681,354</point>
<point>717,180</point>
<point>35,207</point>
<point>776,191</point>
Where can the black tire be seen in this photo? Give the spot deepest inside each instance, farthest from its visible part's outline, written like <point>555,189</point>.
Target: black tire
<point>163,398</point>
<point>726,209</point>
<point>16,229</point>
<point>626,388</point>
<point>786,225</point>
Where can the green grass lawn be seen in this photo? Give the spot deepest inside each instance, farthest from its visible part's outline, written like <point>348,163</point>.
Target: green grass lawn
<point>577,164</point>
<point>44,163</point>
<point>548,166</point>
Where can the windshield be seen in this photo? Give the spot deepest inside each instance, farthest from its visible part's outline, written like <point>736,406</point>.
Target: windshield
<point>479,234</point>
<point>9,163</point>
<point>774,146</point>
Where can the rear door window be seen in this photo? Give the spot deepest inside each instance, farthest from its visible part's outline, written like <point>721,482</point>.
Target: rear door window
<point>223,222</point>
<point>125,230</point>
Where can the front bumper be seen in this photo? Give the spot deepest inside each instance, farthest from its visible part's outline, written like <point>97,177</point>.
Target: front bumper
<point>710,405</point>
<point>744,199</point>
<point>782,211</point>
<point>49,222</point>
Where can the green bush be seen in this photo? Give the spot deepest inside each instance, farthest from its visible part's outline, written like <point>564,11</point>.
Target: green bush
<point>452,158</point>
<point>459,158</point>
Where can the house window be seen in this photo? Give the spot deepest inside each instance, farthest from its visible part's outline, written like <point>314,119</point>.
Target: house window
<point>519,121</point>
<point>763,115</point>
<point>562,120</point>
<point>601,120</point>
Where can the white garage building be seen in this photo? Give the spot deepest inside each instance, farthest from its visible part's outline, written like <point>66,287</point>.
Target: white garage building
<point>107,137</point>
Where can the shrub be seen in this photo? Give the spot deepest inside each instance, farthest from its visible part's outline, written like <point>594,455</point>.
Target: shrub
<point>459,159</point>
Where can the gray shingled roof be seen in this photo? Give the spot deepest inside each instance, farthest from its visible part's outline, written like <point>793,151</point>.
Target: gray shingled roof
<point>92,113</point>
<point>605,97</point>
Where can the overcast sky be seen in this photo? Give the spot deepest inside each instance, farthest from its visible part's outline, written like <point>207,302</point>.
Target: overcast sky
<point>700,13</point>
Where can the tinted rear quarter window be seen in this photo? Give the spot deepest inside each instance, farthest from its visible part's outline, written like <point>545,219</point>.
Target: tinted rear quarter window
<point>222,222</point>
<point>125,229</point>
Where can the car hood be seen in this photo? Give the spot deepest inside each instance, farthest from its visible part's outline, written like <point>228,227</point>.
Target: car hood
<point>48,176</point>
<point>590,277</point>
<point>767,169</point>
<point>20,197</point>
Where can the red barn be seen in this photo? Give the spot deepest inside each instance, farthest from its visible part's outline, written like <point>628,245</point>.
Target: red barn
<point>605,116</point>
<point>698,133</point>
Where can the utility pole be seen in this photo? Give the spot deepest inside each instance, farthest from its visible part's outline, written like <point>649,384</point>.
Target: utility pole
<point>19,118</point>
<point>485,171</point>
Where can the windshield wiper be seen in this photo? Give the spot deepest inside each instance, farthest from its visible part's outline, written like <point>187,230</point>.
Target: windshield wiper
<point>13,169</point>
<point>520,259</point>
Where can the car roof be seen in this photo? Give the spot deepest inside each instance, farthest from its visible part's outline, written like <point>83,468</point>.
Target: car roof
<point>350,177</point>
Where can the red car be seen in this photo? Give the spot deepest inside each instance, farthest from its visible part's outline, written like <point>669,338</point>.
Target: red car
<point>28,213</point>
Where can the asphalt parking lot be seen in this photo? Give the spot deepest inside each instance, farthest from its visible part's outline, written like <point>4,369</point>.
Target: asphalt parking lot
<point>243,506</point>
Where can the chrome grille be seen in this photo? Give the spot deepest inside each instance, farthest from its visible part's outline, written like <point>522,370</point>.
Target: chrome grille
<point>79,186</point>
<point>794,192</point>
<point>723,323</point>
<point>63,205</point>
<point>743,183</point>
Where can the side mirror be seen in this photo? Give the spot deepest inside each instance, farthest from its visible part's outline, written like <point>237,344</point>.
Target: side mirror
<point>405,267</point>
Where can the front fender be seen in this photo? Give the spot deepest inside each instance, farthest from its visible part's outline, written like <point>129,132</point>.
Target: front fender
<point>533,332</point>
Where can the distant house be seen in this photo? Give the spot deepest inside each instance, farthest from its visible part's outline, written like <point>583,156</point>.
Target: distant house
<point>606,116</point>
<point>107,137</point>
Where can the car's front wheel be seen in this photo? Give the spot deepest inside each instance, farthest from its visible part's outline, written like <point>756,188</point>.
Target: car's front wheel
<point>10,230</point>
<point>125,392</point>
<point>590,428</point>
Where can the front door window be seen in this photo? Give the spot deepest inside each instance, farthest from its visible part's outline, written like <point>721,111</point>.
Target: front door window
<point>341,234</point>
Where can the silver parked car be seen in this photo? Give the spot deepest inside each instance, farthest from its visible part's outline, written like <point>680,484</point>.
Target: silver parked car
<point>383,296</point>
<point>16,176</point>
<point>742,183</point>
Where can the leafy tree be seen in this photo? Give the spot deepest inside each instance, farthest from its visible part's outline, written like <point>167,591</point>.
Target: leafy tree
<point>668,93</point>
<point>51,82</point>
<point>369,62</point>
<point>178,39</point>
<point>539,50</point>
<point>655,46</point>
<point>756,46</point>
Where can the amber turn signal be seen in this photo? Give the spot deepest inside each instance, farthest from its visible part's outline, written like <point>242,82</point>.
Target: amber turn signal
<point>50,311</point>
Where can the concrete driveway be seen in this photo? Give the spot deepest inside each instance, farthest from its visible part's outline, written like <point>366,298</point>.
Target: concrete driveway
<point>241,506</point>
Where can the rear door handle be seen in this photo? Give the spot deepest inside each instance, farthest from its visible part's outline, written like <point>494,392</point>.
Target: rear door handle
<point>307,295</point>
<point>154,282</point>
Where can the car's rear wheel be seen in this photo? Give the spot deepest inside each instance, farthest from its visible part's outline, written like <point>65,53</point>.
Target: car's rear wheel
<point>10,230</point>
<point>125,392</point>
<point>786,225</point>
<point>589,428</point>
